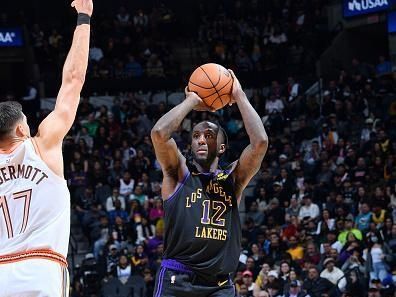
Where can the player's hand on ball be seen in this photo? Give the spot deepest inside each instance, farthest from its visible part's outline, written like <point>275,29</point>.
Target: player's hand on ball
<point>200,105</point>
<point>83,6</point>
<point>236,88</point>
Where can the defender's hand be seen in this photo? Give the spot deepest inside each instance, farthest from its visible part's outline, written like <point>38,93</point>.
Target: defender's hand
<point>83,6</point>
<point>199,104</point>
<point>237,91</point>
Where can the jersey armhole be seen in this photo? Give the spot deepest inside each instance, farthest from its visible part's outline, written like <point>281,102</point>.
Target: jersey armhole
<point>178,187</point>
<point>38,152</point>
<point>36,148</point>
<point>230,169</point>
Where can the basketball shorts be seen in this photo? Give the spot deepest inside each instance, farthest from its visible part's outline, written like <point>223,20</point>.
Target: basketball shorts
<point>34,277</point>
<point>174,279</point>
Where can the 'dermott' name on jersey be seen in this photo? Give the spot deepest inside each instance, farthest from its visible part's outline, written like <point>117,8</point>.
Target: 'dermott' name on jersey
<point>22,171</point>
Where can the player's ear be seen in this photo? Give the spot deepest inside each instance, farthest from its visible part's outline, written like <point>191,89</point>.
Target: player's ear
<point>20,131</point>
<point>222,148</point>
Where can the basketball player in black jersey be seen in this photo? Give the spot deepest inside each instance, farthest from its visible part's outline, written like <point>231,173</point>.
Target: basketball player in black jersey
<point>202,225</point>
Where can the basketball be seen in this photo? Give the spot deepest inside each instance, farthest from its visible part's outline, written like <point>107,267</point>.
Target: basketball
<point>213,83</point>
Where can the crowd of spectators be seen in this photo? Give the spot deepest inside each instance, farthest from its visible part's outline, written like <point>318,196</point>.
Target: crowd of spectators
<point>125,44</point>
<point>319,220</point>
<point>245,35</point>
<point>265,36</point>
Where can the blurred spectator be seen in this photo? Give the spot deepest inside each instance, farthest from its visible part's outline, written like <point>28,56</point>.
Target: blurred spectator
<point>139,258</point>
<point>248,282</point>
<point>157,211</point>
<point>309,211</point>
<point>383,66</point>
<point>111,201</point>
<point>31,102</point>
<point>375,256</point>
<point>140,19</point>
<point>154,67</point>
<point>95,53</point>
<point>145,231</point>
<point>139,195</point>
<point>126,185</point>
<point>255,214</point>
<point>37,36</point>
<point>123,270</point>
<point>123,17</point>
<point>333,274</point>
<point>294,290</point>
<point>133,68</point>
<point>55,39</point>
<point>316,286</point>
<point>363,219</point>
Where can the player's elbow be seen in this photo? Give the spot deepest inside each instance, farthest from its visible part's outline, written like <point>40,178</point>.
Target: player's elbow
<point>65,113</point>
<point>74,77</point>
<point>260,145</point>
<point>158,134</point>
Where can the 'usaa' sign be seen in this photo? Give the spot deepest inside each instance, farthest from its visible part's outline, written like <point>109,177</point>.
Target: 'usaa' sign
<point>11,37</point>
<point>362,7</point>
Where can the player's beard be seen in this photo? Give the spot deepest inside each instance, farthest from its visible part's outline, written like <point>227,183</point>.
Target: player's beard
<point>204,160</point>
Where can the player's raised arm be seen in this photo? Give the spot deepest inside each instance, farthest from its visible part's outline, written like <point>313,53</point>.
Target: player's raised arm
<point>250,161</point>
<point>57,124</point>
<point>171,160</point>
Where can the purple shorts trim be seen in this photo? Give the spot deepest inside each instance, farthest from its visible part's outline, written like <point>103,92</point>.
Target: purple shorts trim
<point>179,186</point>
<point>175,265</point>
<point>160,280</point>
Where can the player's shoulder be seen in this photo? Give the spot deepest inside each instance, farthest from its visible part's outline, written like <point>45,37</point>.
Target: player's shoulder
<point>230,168</point>
<point>226,172</point>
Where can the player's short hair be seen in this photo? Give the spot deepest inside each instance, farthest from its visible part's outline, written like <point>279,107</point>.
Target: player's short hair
<point>10,114</point>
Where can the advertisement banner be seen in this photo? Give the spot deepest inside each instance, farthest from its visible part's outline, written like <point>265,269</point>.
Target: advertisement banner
<point>392,22</point>
<point>11,37</point>
<point>362,7</point>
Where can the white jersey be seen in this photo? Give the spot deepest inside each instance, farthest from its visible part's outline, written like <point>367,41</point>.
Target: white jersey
<point>126,188</point>
<point>34,204</point>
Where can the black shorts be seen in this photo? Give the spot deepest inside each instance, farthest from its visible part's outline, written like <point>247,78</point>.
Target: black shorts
<point>173,281</point>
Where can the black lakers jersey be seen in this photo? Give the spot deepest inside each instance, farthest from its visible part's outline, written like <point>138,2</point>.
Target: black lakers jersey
<point>202,225</point>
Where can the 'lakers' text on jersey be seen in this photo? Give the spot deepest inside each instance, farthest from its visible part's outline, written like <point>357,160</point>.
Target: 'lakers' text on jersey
<point>202,225</point>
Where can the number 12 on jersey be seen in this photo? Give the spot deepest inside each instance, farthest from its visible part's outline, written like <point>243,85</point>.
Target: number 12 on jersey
<point>219,209</point>
<point>26,196</point>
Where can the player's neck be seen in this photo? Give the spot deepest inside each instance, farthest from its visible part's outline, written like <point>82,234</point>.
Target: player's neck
<point>7,146</point>
<point>203,168</point>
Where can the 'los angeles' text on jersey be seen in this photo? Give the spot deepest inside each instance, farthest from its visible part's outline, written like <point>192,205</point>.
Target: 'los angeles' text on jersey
<point>202,224</point>
<point>213,210</point>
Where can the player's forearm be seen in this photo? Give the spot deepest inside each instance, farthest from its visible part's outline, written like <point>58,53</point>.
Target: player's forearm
<point>73,76</point>
<point>76,63</point>
<point>172,120</point>
<point>252,122</point>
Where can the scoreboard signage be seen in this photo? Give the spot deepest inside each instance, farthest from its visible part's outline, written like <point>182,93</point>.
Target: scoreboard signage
<point>362,7</point>
<point>11,37</point>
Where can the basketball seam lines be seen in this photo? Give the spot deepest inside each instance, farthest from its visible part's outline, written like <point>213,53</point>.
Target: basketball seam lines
<point>212,88</point>
<point>209,95</point>
<point>225,86</point>
<point>201,86</point>
<point>218,95</point>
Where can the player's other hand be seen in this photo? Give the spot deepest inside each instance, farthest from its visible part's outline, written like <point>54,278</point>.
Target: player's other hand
<point>83,6</point>
<point>237,91</point>
<point>200,105</point>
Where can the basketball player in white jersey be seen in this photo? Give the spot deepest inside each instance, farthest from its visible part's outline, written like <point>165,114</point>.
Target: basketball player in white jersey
<point>34,199</point>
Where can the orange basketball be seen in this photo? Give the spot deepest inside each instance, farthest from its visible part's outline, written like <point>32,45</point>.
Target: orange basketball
<point>213,83</point>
